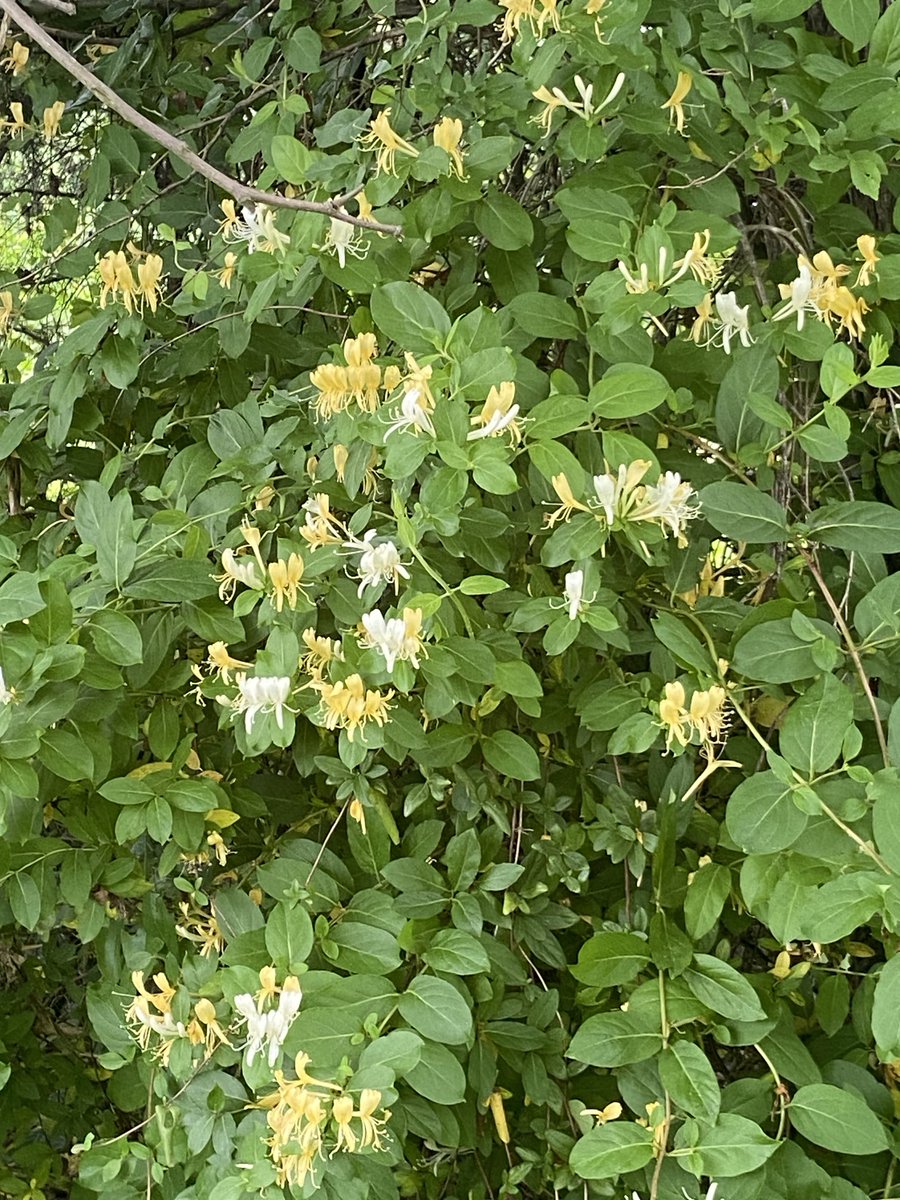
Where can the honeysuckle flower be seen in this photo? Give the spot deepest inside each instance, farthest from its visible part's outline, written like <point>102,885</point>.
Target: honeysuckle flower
<point>584,107</point>
<point>704,311</point>
<point>267,1030</point>
<point>705,268</point>
<point>216,843</point>
<point>342,239</point>
<point>342,1111</point>
<point>849,310</point>
<point>357,813</point>
<point>417,379</point>
<point>611,1112</point>
<point>666,503</point>
<point>537,13</point>
<point>448,134</point>
<point>349,705</point>
<point>117,279</point>
<point>285,579</point>
<point>205,1029</point>
<point>388,142</point>
<point>226,274</point>
<point>617,494</point>
<point>341,456</point>
<point>498,415</point>
<point>234,571</point>
<point>413,415</point>
<point>798,295</point>
<point>706,715</point>
<point>17,59</point>
<point>396,638</point>
<point>6,310</point>
<point>261,694</point>
<point>18,124</point>
<point>573,600</point>
<point>366,211</point>
<point>7,694</point>
<point>220,661</point>
<point>229,222</point>
<point>551,102</point>
<point>378,563</point>
<point>568,504</point>
<point>333,385</point>
<point>675,103</point>
<point>734,321</point>
<point>320,652</point>
<point>149,272</point>
<point>322,527</point>
<point>201,928</point>
<point>53,114</point>
<point>865,244</point>
<point>258,230</point>
<point>372,1126</point>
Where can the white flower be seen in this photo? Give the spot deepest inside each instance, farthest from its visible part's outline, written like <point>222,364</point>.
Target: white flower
<point>259,231</point>
<point>261,694</point>
<point>734,320</point>
<point>413,415</point>
<point>7,695</point>
<point>268,1030</point>
<point>667,502</point>
<point>798,295</point>
<point>497,422</point>
<point>394,637</point>
<point>616,494</point>
<point>573,593</point>
<point>343,239</point>
<point>377,564</point>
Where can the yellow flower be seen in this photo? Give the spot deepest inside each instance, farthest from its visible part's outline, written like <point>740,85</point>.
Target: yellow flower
<point>372,1126</point>
<point>18,124</point>
<point>850,310</point>
<point>673,716</point>
<point>342,1111</point>
<point>538,13</point>
<point>611,1112</point>
<point>149,272</point>
<point>18,58</point>
<point>365,208</point>
<point>205,1028</point>
<point>357,813</point>
<point>498,415</point>
<point>388,142</point>
<point>340,454</point>
<point>230,221</point>
<point>865,244</point>
<point>448,135</point>
<point>498,1112</point>
<point>201,928</point>
<point>704,311</point>
<point>551,101</point>
<point>285,579</point>
<point>568,502</point>
<point>706,715</point>
<point>6,310</point>
<point>322,528</point>
<point>705,268</point>
<point>220,660</point>
<point>675,103</point>
<point>117,279</point>
<point>321,652</point>
<point>226,274</point>
<point>234,571</point>
<point>217,844</point>
<point>53,114</point>
<point>349,705</point>
<point>333,385</point>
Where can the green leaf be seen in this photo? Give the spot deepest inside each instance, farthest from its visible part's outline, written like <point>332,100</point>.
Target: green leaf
<point>836,1119</point>
<point>24,898</point>
<point>761,817</point>
<point>116,637</point>
<point>456,953</point>
<point>119,360</point>
<point>815,726</point>
<point>482,585</point>
<point>438,1075</point>
<point>399,1051</point>
<point>853,19</point>
<point>779,10</point>
<point>609,959</point>
<point>740,511</point>
<point>884,45</point>
<point>172,579</point>
<point>723,989</point>
<point>544,316</point>
<point>886,1011</point>
<point>20,597</point>
<point>611,1150</point>
<point>410,316</point>
<point>289,937</point>
<point>862,525</point>
<point>614,1039</point>
<point>773,653</point>
<point>706,895</point>
<point>627,390</point>
<point>688,1077</point>
<point>436,1009</point>
<point>290,158</point>
<point>733,1146</point>
<point>511,755</point>
<point>858,86</point>
<point>503,221</point>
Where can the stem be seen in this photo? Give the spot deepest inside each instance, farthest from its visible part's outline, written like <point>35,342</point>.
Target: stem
<point>241,192</point>
<point>780,1091</point>
<point>851,649</point>
<point>448,592</point>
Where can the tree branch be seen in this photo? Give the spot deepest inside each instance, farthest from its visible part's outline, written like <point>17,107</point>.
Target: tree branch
<point>241,192</point>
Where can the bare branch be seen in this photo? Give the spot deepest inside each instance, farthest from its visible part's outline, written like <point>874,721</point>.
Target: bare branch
<point>62,6</point>
<point>241,192</point>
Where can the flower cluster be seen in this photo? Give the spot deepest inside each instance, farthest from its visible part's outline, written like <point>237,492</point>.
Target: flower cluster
<point>280,580</point>
<point>555,98</point>
<point>621,498</point>
<point>498,415</point>
<point>268,1025</point>
<point>257,228</point>
<point>306,1118</point>
<point>359,381</point>
<point>119,282</point>
<point>818,290</point>
<point>395,638</point>
<point>706,715</point>
<point>385,140</point>
<point>538,14</point>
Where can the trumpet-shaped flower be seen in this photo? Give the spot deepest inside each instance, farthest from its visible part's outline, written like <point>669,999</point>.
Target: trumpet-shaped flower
<point>285,579</point>
<point>798,295</point>
<point>705,716</point>
<point>220,661</point>
<point>53,114</point>
<point>412,415</point>
<point>396,638</point>
<point>261,694</point>
<point>149,273</point>
<point>865,244</point>
<point>7,694</point>
<point>343,239</point>
<point>349,705</point>
<point>7,306</point>
<point>667,504</point>
<point>226,274</point>
<point>18,124</point>
<point>733,321</point>
<point>568,503</point>
<point>583,107</point>
<point>537,13</point>
<point>320,652</point>
<point>258,230</point>
<point>237,570</point>
<point>268,1028</point>
<point>377,563</point>
<point>448,134</point>
<point>498,415</point>
<point>17,59</point>
<point>573,600</point>
<point>387,141</point>
<point>675,103</point>
<point>117,279</point>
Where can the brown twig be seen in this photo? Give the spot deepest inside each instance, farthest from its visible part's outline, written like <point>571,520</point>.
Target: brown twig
<point>241,192</point>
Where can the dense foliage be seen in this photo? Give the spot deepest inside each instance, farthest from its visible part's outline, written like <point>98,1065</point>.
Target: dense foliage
<point>450,695</point>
